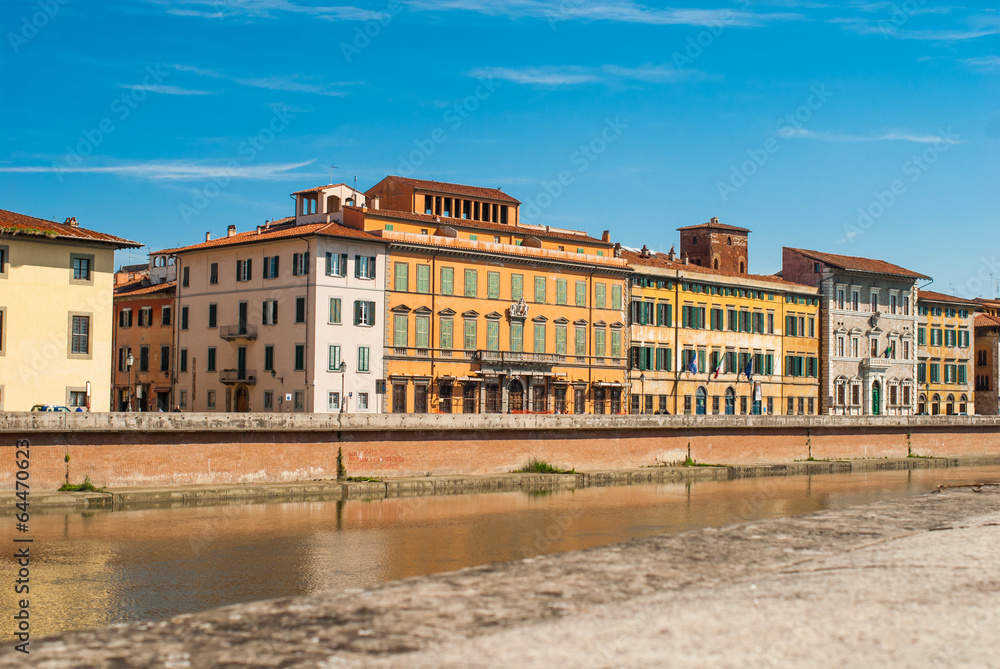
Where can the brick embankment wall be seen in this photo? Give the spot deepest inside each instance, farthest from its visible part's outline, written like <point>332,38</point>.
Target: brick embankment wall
<point>127,450</point>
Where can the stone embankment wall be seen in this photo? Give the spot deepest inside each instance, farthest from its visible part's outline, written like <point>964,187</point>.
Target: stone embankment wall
<point>155,449</point>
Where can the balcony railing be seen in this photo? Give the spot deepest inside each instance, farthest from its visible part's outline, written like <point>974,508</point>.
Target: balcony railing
<point>522,357</point>
<point>878,364</point>
<point>231,332</point>
<point>233,376</point>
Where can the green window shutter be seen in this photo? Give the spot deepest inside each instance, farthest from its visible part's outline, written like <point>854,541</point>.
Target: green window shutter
<point>561,291</point>
<point>616,344</point>
<point>599,349</point>
<point>493,285</point>
<point>516,287</point>
<point>423,278</point>
<point>580,344</point>
<point>334,362</point>
<point>357,312</point>
<point>539,338</point>
<point>517,337</point>
<point>470,335</point>
<point>423,331</point>
<point>616,297</point>
<point>493,335</point>
<point>335,310</point>
<point>962,374</point>
<point>447,280</point>
<point>399,335</point>
<point>402,281</point>
<point>447,333</point>
<point>581,293</point>
<point>560,340</point>
<point>599,296</point>
<point>540,289</point>
<point>471,282</point>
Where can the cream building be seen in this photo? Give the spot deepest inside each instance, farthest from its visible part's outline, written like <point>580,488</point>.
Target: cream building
<point>56,293</point>
<point>288,317</point>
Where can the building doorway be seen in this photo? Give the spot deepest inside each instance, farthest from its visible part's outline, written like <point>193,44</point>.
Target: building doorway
<point>579,399</point>
<point>701,401</point>
<point>876,399</point>
<point>399,398</point>
<point>730,402</point>
<point>163,401</point>
<point>242,399</point>
<point>420,399</point>
<point>515,396</point>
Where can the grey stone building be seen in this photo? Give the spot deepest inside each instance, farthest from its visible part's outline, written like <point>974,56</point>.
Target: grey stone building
<point>868,324</point>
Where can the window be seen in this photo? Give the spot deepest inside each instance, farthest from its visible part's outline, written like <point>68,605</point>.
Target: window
<point>517,337</point>
<point>540,289</point>
<point>183,399</point>
<point>401,280</point>
<point>300,400</point>
<point>145,317</point>
<point>125,318</point>
<point>616,297</point>
<point>470,335</point>
<point>364,312</point>
<point>840,346</point>
<point>165,316</point>
<point>493,335</point>
<point>447,333</point>
<point>270,267</point>
<point>539,338</point>
<point>300,310</point>
<point>921,336</point>
<point>164,358</point>
<point>300,357</point>
<point>143,358</point>
<point>210,399</point>
<point>855,299</point>
<point>334,358</point>
<point>581,293</point>
<point>447,280</point>
<point>362,401</point>
<point>183,363</point>
<point>423,279</point>
<point>493,285</point>
<point>269,312</point>
<point>364,359</point>
<point>616,343</point>
<point>80,335</point>
<point>243,270</point>
<point>422,331</point>
<point>364,267</point>
<point>906,312</point>
<point>560,340</point>
<point>561,291</point>
<point>400,336</point>
<point>599,342</point>
<point>213,273</point>
<point>874,301</point>
<point>186,277</point>
<point>580,341</point>
<point>335,314</point>
<point>3,262</point>
<point>471,282</point>
<point>269,358</point>
<point>840,298</point>
<point>213,315</point>
<point>300,264</point>
<point>210,365</point>
<point>336,264</point>
<point>81,266</point>
<point>599,296</point>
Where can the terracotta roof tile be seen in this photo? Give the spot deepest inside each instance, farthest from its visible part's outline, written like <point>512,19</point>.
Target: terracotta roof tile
<point>714,223</point>
<point>456,189</point>
<point>931,296</point>
<point>636,261</point>
<point>319,188</point>
<point>280,229</point>
<point>141,287</point>
<point>13,223</point>
<point>466,223</point>
<point>856,264</point>
<point>985,320</point>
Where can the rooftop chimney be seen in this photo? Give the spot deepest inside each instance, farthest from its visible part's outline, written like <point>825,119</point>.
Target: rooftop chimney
<point>685,259</point>
<point>644,253</point>
<point>71,221</point>
<point>231,231</point>
<point>208,236</point>
<point>715,220</point>
<point>671,255</point>
<point>618,250</point>
<point>606,236</point>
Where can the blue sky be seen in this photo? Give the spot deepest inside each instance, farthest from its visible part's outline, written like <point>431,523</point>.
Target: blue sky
<point>863,128</point>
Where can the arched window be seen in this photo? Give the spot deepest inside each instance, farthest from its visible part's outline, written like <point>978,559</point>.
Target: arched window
<point>950,406</point>
<point>701,401</point>
<point>694,240</point>
<point>935,405</point>
<point>729,241</point>
<point>963,405</point>
<point>716,263</point>
<point>743,268</point>
<point>730,402</point>
<point>922,405</point>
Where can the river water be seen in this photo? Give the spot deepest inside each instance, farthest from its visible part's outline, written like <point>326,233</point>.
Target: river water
<point>104,567</point>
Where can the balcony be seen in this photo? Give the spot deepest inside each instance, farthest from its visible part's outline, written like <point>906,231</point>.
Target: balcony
<point>520,358</point>
<point>234,376</point>
<point>234,332</point>
<point>877,364</point>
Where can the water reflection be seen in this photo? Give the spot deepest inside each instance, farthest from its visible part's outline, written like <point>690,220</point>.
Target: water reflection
<point>100,568</point>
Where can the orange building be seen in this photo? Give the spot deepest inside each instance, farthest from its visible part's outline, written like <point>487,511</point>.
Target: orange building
<point>143,328</point>
<point>486,315</point>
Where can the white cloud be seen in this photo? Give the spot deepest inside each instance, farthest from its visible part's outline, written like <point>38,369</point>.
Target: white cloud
<point>802,133</point>
<point>172,170</point>
<point>291,83</point>
<point>263,9</point>
<point>166,89</point>
<point>554,76</point>
<point>984,63</point>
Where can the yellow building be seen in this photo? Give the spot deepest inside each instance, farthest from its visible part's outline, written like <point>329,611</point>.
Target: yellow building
<point>711,339</point>
<point>56,293</point>
<point>945,326</point>
<point>491,316</point>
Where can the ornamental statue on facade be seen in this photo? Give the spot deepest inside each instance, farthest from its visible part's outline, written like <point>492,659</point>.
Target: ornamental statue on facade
<point>519,309</point>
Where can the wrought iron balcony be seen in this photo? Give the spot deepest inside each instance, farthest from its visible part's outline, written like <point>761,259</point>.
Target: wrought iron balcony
<point>234,376</point>
<point>232,332</point>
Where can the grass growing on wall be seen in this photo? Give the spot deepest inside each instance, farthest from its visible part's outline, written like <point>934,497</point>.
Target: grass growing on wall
<point>536,466</point>
<point>86,486</point>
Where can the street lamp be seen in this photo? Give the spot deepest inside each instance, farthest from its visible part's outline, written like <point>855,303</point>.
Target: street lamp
<point>129,361</point>
<point>343,375</point>
<point>642,397</point>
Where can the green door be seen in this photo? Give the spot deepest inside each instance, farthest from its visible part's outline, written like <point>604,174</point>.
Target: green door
<point>876,399</point>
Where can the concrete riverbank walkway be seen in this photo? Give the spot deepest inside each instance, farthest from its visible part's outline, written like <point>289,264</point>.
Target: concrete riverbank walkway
<point>905,583</point>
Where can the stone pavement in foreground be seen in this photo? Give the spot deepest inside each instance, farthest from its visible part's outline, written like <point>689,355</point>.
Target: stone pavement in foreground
<point>905,583</point>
